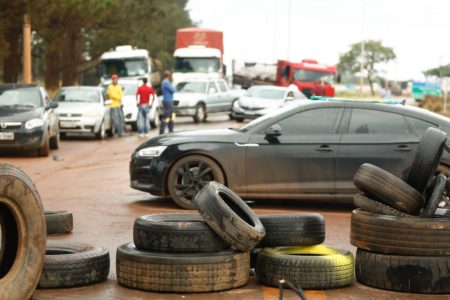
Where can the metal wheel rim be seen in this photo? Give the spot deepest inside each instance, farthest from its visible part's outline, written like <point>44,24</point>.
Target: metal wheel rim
<point>191,177</point>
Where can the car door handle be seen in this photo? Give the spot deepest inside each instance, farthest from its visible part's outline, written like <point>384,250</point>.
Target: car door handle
<point>403,148</point>
<point>324,148</point>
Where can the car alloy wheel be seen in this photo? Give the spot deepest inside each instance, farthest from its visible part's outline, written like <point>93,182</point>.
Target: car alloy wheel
<point>188,176</point>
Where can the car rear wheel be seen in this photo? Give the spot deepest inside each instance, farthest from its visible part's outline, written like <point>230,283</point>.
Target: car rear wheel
<point>187,177</point>
<point>200,113</point>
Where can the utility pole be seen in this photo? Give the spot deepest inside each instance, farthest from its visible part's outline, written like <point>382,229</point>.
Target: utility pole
<point>26,49</point>
<point>361,70</point>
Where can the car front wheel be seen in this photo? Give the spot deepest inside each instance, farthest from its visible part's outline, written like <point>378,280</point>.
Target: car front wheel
<point>187,177</point>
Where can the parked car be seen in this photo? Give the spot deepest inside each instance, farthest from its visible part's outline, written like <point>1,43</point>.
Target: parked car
<point>28,119</point>
<point>130,109</point>
<point>262,99</point>
<point>308,149</point>
<point>84,109</point>
<point>199,97</point>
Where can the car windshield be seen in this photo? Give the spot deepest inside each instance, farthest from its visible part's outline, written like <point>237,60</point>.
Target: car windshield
<point>21,98</point>
<point>270,115</point>
<point>266,93</point>
<point>78,95</point>
<point>191,87</point>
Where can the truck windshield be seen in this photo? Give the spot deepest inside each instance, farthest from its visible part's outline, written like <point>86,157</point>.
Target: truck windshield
<point>191,87</point>
<point>197,64</point>
<point>125,67</point>
<point>311,76</point>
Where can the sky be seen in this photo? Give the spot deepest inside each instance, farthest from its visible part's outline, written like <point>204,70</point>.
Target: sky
<point>267,30</point>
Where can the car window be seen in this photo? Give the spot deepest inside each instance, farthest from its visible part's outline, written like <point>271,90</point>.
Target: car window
<point>419,125</point>
<point>313,121</point>
<point>191,87</point>
<point>222,86</point>
<point>212,88</point>
<point>367,121</point>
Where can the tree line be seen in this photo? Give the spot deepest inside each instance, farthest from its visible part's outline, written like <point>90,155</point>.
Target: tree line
<point>69,36</point>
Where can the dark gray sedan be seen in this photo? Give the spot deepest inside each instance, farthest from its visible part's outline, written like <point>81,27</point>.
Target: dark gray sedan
<point>309,149</point>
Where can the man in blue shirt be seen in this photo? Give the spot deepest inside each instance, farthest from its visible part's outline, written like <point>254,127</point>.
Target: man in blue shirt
<point>167,90</point>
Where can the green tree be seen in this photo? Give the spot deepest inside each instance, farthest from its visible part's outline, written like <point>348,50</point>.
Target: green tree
<point>374,54</point>
<point>441,71</point>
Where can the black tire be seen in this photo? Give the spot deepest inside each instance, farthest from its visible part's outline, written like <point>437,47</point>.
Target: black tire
<point>414,274</point>
<point>373,206</point>
<point>427,159</point>
<point>62,135</point>
<point>44,150</point>
<point>54,142</point>
<point>381,185</point>
<point>181,273</point>
<point>437,190</point>
<point>182,233</point>
<point>111,131</point>
<point>229,216</point>
<point>134,126</point>
<point>397,235</point>
<point>239,120</point>
<point>73,264</point>
<point>200,113</point>
<point>309,267</point>
<point>101,133</point>
<point>58,222</point>
<point>188,176</point>
<point>300,229</point>
<point>23,234</point>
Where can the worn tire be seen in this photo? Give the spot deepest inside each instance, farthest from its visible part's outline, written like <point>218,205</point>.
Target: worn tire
<point>373,206</point>
<point>23,234</point>
<point>300,229</point>
<point>397,235</point>
<point>414,274</point>
<point>181,273</point>
<point>58,222</point>
<point>309,267</point>
<point>229,216</point>
<point>381,185</point>
<point>436,196</point>
<point>171,233</point>
<point>73,264</point>
<point>427,159</point>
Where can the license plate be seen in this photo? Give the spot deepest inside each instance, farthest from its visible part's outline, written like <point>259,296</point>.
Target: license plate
<point>67,124</point>
<point>9,136</point>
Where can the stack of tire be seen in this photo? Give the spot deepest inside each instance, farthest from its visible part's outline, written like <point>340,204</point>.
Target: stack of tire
<point>190,252</point>
<point>402,245</point>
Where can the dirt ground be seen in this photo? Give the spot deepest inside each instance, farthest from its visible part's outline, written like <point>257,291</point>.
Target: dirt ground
<point>90,179</point>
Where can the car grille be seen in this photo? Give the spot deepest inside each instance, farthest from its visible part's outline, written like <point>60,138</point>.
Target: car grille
<point>250,108</point>
<point>10,125</point>
<point>69,115</point>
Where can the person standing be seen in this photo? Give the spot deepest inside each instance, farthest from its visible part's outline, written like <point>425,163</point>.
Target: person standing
<point>145,96</point>
<point>115,94</point>
<point>167,90</point>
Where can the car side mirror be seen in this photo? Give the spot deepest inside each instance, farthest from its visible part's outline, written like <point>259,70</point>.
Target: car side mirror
<point>108,102</point>
<point>274,130</point>
<point>51,105</point>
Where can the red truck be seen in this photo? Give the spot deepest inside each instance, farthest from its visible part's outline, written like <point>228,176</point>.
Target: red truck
<point>309,76</point>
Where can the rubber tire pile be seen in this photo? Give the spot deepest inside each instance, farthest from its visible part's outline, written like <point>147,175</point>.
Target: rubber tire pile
<point>402,244</point>
<point>210,250</point>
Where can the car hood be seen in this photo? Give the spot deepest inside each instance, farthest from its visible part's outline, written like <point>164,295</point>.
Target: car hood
<point>19,115</point>
<point>253,102</point>
<point>188,96</point>
<point>196,136</point>
<point>77,107</point>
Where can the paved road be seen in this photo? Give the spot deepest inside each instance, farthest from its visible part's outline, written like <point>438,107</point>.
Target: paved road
<point>90,179</point>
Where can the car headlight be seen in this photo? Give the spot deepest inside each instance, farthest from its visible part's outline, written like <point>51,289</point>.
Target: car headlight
<point>151,151</point>
<point>236,104</point>
<point>34,123</point>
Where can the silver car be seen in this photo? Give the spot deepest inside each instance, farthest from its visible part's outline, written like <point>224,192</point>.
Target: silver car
<point>262,99</point>
<point>84,109</point>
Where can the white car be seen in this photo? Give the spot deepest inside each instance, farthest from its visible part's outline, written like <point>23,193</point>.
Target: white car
<point>262,99</point>
<point>83,109</point>
<point>130,109</point>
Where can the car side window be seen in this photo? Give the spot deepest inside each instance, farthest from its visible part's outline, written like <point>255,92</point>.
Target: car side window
<point>212,88</point>
<point>367,121</point>
<point>222,86</point>
<point>311,122</point>
<point>419,125</point>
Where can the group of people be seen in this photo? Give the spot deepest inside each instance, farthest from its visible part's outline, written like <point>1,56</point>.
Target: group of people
<point>145,99</point>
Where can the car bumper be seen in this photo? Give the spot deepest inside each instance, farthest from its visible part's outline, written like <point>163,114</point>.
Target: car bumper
<point>184,111</point>
<point>23,139</point>
<point>142,178</point>
<point>245,115</point>
<point>80,125</point>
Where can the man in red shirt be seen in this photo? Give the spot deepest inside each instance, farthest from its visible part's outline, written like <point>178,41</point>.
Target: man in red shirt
<point>145,97</point>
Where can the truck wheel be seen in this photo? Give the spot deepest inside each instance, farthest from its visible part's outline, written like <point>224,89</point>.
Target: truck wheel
<point>23,234</point>
<point>200,113</point>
